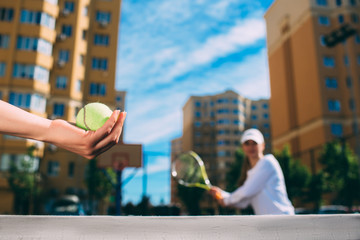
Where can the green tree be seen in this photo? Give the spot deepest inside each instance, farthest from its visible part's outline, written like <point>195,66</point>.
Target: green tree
<point>191,197</point>
<point>315,190</point>
<point>22,180</point>
<point>99,183</point>
<point>233,175</point>
<point>340,171</point>
<point>297,176</point>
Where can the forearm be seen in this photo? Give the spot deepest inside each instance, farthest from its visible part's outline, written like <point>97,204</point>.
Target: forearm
<point>17,122</point>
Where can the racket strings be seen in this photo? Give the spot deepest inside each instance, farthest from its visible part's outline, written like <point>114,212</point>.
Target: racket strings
<point>188,170</point>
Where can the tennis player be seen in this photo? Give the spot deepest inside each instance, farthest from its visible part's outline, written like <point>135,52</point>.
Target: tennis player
<point>261,182</point>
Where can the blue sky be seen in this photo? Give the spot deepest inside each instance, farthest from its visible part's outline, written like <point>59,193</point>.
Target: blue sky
<point>171,50</point>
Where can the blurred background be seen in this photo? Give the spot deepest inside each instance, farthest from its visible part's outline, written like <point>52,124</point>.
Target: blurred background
<point>192,75</point>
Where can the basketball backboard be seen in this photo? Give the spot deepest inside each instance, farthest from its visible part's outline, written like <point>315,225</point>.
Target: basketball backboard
<point>121,156</point>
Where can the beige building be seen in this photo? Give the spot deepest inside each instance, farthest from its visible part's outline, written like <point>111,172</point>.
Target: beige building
<point>56,56</point>
<point>212,127</point>
<point>314,89</point>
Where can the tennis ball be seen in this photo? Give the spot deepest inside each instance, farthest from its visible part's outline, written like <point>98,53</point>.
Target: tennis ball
<point>93,116</point>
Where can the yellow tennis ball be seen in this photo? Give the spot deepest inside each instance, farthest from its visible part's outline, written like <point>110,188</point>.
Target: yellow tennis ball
<point>93,116</point>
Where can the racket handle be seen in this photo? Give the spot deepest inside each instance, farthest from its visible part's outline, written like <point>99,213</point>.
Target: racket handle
<point>218,196</point>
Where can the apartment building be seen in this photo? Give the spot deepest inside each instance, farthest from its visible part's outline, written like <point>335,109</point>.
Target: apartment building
<point>212,127</point>
<point>314,88</point>
<point>56,56</point>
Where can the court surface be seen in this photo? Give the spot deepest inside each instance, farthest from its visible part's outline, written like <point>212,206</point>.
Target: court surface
<point>184,227</point>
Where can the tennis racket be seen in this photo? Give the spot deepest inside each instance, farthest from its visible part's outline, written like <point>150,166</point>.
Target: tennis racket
<point>189,170</point>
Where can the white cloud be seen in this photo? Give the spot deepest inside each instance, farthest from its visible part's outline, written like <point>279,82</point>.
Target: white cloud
<point>244,33</point>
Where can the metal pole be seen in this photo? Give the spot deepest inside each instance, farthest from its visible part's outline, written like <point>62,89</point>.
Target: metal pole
<point>144,175</point>
<point>118,192</point>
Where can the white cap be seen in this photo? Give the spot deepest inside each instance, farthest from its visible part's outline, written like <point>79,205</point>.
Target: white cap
<point>252,134</point>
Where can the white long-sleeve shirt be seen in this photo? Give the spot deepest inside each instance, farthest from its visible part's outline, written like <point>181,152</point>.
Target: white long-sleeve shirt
<point>264,189</point>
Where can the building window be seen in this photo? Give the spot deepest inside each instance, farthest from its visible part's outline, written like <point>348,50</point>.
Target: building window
<point>223,122</point>
<point>321,2</point>
<point>103,17</point>
<point>53,168</point>
<point>329,62</point>
<point>63,56</point>
<point>99,64</point>
<point>324,20</point>
<point>37,18</point>
<point>338,2</point>
<point>31,72</point>
<point>23,71</point>
<point>223,111</point>
<point>348,82</point>
<point>71,169</point>
<point>352,2</point>
<point>336,129</point>
<point>322,40</point>
<point>222,100</point>
<point>85,11</point>
<point>61,82</point>
<point>54,2</point>
<point>197,124</point>
<point>101,40</point>
<point>28,101</point>
<point>66,30</point>
<point>334,105</point>
<point>69,6</point>
<point>81,60</point>
<point>6,14</point>
<point>4,41</point>
<point>44,47</point>
<point>84,34</point>
<point>357,38</point>
<point>351,104</point>
<point>34,44</point>
<point>198,114</point>
<point>354,18</point>
<point>266,116</point>
<point>266,125</point>
<point>253,107</point>
<point>58,110</point>
<point>331,82</point>
<point>265,106</point>
<point>341,18</point>
<point>22,100</point>
<point>346,60</point>
<point>236,122</point>
<point>358,59</point>
<point>2,69</point>
<point>38,103</point>
<point>197,104</point>
<point>253,117</point>
<point>97,89</point>
<point>78,85</point>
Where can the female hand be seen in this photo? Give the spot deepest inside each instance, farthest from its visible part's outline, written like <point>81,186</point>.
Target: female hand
<point>216,193</point>
<point>88,144</point>
<point>17,122</point>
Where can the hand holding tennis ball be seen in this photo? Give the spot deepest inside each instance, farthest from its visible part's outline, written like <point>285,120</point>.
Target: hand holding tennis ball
<point>93,116</point>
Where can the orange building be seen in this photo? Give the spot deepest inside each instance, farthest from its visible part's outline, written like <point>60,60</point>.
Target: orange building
<point>314,88</point>
<point>56,56</point>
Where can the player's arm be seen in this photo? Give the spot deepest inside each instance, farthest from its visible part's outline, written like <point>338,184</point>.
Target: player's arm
<point>253,184</point>
<point>17,122</point>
